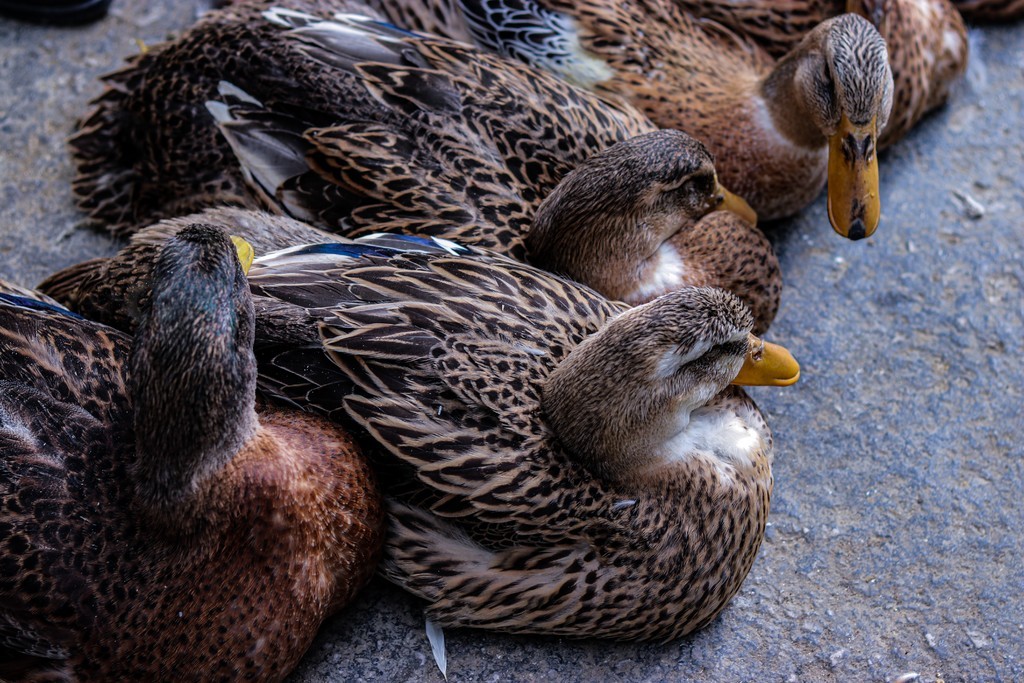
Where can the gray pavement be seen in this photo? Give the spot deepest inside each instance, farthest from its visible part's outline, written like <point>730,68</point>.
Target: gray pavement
<point>896,538</point>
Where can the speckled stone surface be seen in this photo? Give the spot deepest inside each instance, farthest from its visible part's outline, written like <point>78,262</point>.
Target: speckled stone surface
<point>896,538</point>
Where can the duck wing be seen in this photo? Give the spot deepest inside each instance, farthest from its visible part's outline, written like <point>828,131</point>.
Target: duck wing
<point>439,356</point>
<point>53,350</point>
<point>61,395</point>
<point>349,123</point>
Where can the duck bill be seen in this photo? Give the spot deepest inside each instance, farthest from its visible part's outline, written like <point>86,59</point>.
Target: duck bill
<point>853,206</point>
<point>731,202</point>
<point>246,254</point>
<point>767,365</point>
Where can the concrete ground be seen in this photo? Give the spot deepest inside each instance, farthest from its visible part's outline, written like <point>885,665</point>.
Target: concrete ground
<point>896,536</point>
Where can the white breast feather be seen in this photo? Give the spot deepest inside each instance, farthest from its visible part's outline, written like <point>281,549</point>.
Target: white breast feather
<point>719,436</point>
<point>666,275</point>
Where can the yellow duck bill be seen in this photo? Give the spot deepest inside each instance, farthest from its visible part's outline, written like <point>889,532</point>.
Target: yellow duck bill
<point>246,254</point>
<point>853,204</point>
<point>767,365</point>
<point>736,204</point>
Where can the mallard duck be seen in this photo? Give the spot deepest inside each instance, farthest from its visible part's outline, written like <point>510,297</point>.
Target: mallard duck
<point>926,40</point>
<point>556,462</point>
<point>417,135</point>
<point>776,128</point>
<point>155,517</point>
<point>749,270</point>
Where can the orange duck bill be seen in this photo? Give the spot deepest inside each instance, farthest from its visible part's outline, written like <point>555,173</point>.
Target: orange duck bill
<point>768,365</point>
<point>727,201</point>
<point>853,206</point>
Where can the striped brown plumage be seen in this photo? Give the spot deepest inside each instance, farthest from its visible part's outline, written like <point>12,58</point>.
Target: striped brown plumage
<point>359,128</point>
<point>698,76</point>
<point>453,367</point>
<point>216,558</point>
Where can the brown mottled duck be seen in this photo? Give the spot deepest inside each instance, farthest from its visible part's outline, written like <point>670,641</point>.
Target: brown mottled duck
<point>154,516</point>
<point>926,40</point>
<point>777,128</point>
<point>555,462</point>
<point>359,128</point>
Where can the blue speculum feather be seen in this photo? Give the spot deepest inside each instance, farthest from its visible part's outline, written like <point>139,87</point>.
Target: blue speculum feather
<point>342,249</point>
<point>385,240</point>
<point>35,305</point>
<point>398,29</point>
<point>380,245</point>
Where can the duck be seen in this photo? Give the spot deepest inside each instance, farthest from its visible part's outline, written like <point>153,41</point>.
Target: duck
<point>926,41</point>
<point>420,136</point>
<point>553,462</point>
<point>778,128</point>
<point>157,515</point>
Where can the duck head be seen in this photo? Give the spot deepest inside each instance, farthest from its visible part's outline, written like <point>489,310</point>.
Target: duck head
<point>192,369</point>
<point>840,73</point>
<point>621,397</point>
<point>608,218</point>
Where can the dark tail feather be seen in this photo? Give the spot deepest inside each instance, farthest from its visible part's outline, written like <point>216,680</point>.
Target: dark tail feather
<point>119,182</point>
<point>106,175</point>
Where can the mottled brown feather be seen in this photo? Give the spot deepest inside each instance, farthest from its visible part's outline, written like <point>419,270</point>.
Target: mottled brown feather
<point>440,357</point>
<point>439,140</point>
<point>990,10</point>
<point>99,581</point>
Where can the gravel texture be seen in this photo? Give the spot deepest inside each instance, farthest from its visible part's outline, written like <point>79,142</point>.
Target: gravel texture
<point>894,547</point>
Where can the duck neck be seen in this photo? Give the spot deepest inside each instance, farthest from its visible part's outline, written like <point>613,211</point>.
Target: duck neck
<point>596,245</point>
<point>616,433</point>
<point>193,382</point>
<point>786,102</point>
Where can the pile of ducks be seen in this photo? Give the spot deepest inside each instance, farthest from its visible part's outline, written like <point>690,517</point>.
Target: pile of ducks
<point>452,291</point>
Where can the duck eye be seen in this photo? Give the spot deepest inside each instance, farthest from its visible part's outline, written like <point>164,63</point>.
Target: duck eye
<point>687,187</point>
<point>698,185</point>
<point>826,95</point>
<point>704,184</point>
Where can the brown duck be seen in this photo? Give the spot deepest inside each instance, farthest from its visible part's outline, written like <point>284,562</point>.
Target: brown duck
<point>926,40</point>
<point>557,463</point>
<point>155,516</point>
<point>777,128</point>
<point>393,132</point>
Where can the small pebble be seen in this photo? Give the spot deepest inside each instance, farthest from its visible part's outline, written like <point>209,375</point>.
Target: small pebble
<point>906,678</point>
<point>970,206</point>
<point>979,639</point>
